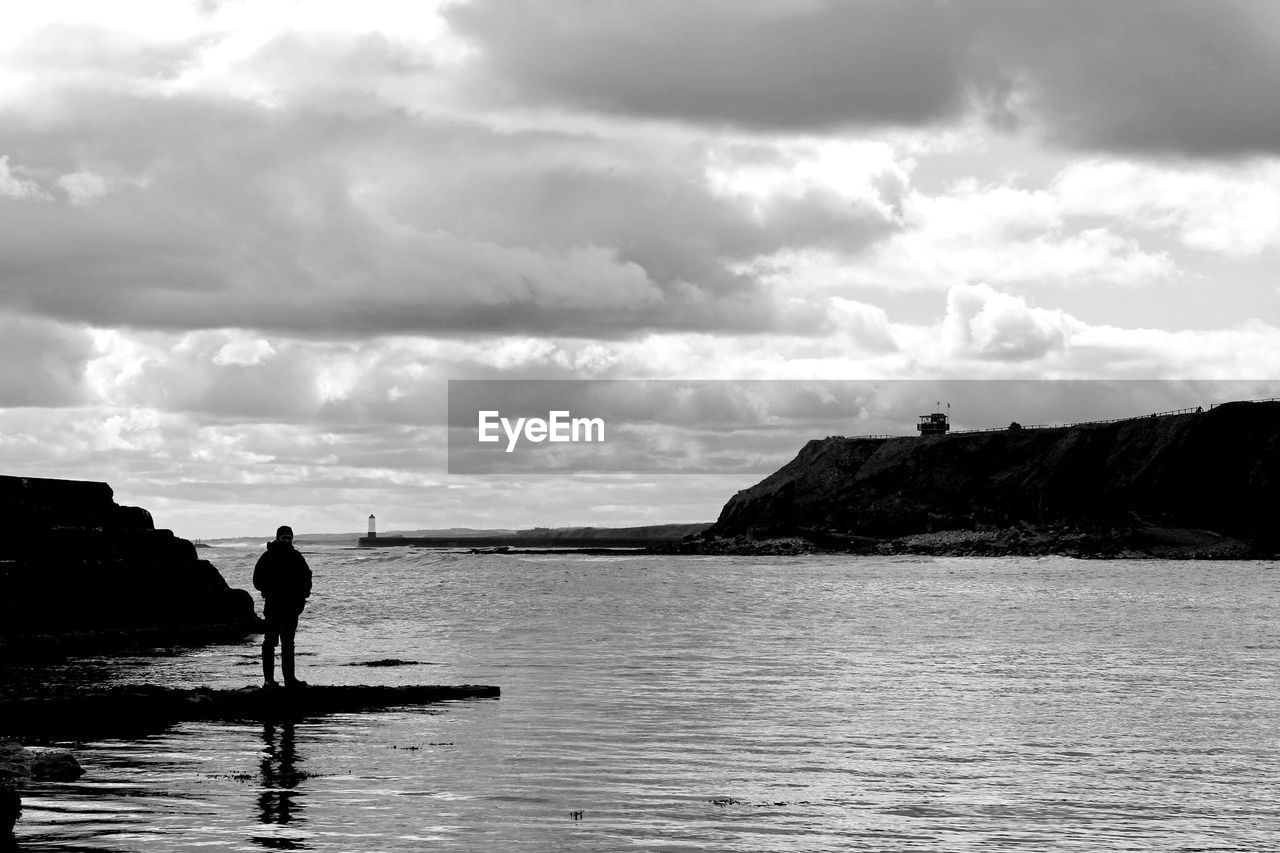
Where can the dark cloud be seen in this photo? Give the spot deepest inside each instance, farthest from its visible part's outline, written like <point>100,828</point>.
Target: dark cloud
<point>281,388</point>
<point>1162,76</point>
<point>757,63</point>
<point>1166,76</point>
<point>307,218</point>
<point>42,363</point>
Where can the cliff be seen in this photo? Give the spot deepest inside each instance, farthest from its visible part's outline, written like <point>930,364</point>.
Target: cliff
<point>1127,485</point>
<point>74,561</point>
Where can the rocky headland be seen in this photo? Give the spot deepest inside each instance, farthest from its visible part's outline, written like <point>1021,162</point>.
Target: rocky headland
<point>1202,485</point>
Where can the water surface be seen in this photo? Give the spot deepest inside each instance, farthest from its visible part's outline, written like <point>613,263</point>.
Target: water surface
<point>723,703</point>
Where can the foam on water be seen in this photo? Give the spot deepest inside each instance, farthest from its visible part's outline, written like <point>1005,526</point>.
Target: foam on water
<point>719,703</point>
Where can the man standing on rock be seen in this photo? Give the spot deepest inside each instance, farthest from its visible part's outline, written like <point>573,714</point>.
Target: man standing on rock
<point>284,578</point>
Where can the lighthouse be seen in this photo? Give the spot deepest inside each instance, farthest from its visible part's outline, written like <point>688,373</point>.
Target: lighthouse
<point>373,527</point>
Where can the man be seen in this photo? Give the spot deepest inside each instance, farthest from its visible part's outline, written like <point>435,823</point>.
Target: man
<point>284,578</point>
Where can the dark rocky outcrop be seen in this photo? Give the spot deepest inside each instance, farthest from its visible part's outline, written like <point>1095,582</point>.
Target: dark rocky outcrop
<point>19,766</point>
<point>1195,484</point>
<point>385,662</point>
<point>89,712</point>
<point>10,811</point>
<point>75,563</point>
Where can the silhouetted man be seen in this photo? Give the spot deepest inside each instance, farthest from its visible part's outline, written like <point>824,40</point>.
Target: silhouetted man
<point>283,576</point>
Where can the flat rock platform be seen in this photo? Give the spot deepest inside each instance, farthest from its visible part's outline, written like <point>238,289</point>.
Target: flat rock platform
<point>112,711</point>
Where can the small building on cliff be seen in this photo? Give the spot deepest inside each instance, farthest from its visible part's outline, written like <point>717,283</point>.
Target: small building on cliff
<point>934,424</point>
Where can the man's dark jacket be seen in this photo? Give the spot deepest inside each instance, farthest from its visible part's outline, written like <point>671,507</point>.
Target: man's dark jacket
<point>283,576</point>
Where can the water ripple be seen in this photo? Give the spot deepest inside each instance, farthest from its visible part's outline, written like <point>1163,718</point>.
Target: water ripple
<point>726,704</point>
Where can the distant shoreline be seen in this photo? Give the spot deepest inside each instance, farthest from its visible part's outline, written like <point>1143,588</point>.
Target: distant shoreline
<point>1090,542</point>
<point>1104,542</point>
<point>541,542</point>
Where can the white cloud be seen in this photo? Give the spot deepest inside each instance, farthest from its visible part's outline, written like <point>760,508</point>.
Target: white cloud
<point>1232,210</point>
<point>1248,351</point>
<point>317,423</point>
<point>18,188</point>
<point>994,233</point>
<point>866,173</point>
<point>83,187</point>
<point>244,352</point>
<point>985,323</point>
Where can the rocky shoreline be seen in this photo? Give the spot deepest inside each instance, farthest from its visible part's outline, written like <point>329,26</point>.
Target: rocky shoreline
<point>130,710</point>
<point>1024,540</point>
<point>81,713</point>
<point>82,580</point>
<point>18,766</point>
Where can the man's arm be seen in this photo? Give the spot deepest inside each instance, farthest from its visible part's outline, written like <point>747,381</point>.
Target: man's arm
<point>304,577</point>
<point>261,572</point>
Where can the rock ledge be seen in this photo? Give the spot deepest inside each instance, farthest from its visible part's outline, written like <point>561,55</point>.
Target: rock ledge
<point>120,710</point>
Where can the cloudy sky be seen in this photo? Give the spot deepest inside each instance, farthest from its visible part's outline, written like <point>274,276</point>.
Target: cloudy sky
<point>244,245</point>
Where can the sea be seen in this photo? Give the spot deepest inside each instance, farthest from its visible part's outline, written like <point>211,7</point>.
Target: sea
<point>720,703</point>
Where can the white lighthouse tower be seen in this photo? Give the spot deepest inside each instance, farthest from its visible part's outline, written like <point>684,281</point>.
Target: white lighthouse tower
<point>373,527</point>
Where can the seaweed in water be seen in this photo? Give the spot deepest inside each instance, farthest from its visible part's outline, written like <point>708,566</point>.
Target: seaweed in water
<point>385,662</point>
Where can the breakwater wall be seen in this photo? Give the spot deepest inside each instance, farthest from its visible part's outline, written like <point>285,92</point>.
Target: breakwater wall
<point>506,541</point>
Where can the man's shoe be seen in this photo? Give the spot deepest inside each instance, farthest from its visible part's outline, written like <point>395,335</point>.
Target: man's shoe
<point>268,685</point>
<point>295,683</point>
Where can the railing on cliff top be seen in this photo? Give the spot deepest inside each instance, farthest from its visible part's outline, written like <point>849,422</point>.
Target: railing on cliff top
<point>1187,411</point>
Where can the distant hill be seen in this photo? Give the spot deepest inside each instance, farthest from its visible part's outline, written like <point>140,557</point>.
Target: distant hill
<point>456,532</point>
<point>1125,486</point>
<point>656,532</point>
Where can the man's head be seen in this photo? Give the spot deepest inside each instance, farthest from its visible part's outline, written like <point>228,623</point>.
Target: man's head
<point>284,533</point>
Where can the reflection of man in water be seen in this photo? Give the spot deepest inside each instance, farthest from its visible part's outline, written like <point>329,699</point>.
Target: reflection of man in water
<point>277,804</point>
<point>283,576</point>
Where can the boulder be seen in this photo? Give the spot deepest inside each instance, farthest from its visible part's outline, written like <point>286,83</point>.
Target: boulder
<point>15,764</point>
<point>19,766</point>
<point>55,766</point>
